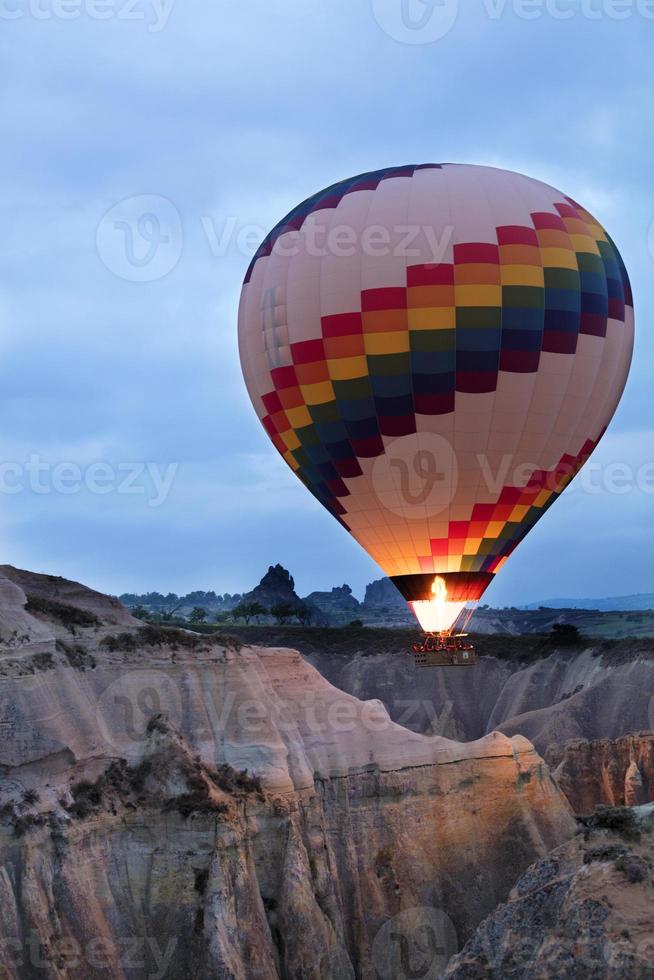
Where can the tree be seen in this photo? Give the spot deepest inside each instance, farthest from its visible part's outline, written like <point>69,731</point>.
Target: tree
<point>282,611</point>
<point>167,614</point>
<point>140,612</point>
<point>249,610</point>
<point>303,613</point>
<point>222,617</point>
<point>565,633</point>
<point>198,615</point>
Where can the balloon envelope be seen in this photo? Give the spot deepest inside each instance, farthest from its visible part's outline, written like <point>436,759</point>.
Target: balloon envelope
<point>435,351</point>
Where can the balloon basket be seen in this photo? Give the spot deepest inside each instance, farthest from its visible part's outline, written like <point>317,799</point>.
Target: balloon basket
<point>444,650</point>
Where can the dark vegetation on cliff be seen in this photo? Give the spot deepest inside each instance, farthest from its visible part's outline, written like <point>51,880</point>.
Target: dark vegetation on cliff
<point>369,642</point>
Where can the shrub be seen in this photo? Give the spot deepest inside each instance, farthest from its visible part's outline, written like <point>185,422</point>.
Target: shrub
<point>158,636</point>
<point>154,635</point>
<point>70,616</point>
<point>26,822</point>
<point>43,661</point>
<point>632,867</point>
<point>120,642</point>
<point>230,780</point>
<point>198,800</point>
<point>157,724</point>
<point>86,798</point>
<point>605,852</point>
<point>77,656</point>
<point>620,820</point>
<point>565,634</point>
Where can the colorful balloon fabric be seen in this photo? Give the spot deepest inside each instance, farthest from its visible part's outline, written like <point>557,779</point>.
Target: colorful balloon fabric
<point>435,351</point>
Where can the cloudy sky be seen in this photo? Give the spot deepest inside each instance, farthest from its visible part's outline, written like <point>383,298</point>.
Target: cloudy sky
<point>131,457</point>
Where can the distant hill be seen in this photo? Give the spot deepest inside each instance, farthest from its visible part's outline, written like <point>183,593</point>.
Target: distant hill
<point>383,606</point>
<point>625,603</point>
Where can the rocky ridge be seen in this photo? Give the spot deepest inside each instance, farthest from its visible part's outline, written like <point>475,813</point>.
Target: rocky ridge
<point>614,772</point>
<point>551,695</point>
<point>227,808</point>
<point>585,911</point>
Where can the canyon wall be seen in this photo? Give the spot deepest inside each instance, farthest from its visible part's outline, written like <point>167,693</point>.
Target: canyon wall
<point>586,911</point>
<point>618,772</point>
<point>177,805</point>
<point>583,692</point>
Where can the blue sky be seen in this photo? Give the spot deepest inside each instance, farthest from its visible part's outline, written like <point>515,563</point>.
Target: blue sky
<point>218,118</point>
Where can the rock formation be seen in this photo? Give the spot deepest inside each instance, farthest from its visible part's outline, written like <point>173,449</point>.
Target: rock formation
<point>549,695</point>
<point>383,593</point>
<point>618,772</point>
<point>177,805</point>
<point>277,585</point>
<point>335,608</point>
<point>585,911</point>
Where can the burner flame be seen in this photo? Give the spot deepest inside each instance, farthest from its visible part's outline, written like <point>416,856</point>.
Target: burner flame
<point>437,615</point>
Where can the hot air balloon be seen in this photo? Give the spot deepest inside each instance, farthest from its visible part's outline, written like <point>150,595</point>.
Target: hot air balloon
<point>435,351</point>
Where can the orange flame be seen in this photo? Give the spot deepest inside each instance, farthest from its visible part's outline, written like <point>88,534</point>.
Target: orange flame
<point>437,615</point>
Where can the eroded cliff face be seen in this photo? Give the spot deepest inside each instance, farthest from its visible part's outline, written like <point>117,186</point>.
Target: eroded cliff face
<point>618,772</point>
<point>564,695</point>
<point>174,805</point>
<point>585,911</point>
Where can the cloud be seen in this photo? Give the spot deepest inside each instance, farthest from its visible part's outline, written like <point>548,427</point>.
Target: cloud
<point>235,112</point>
